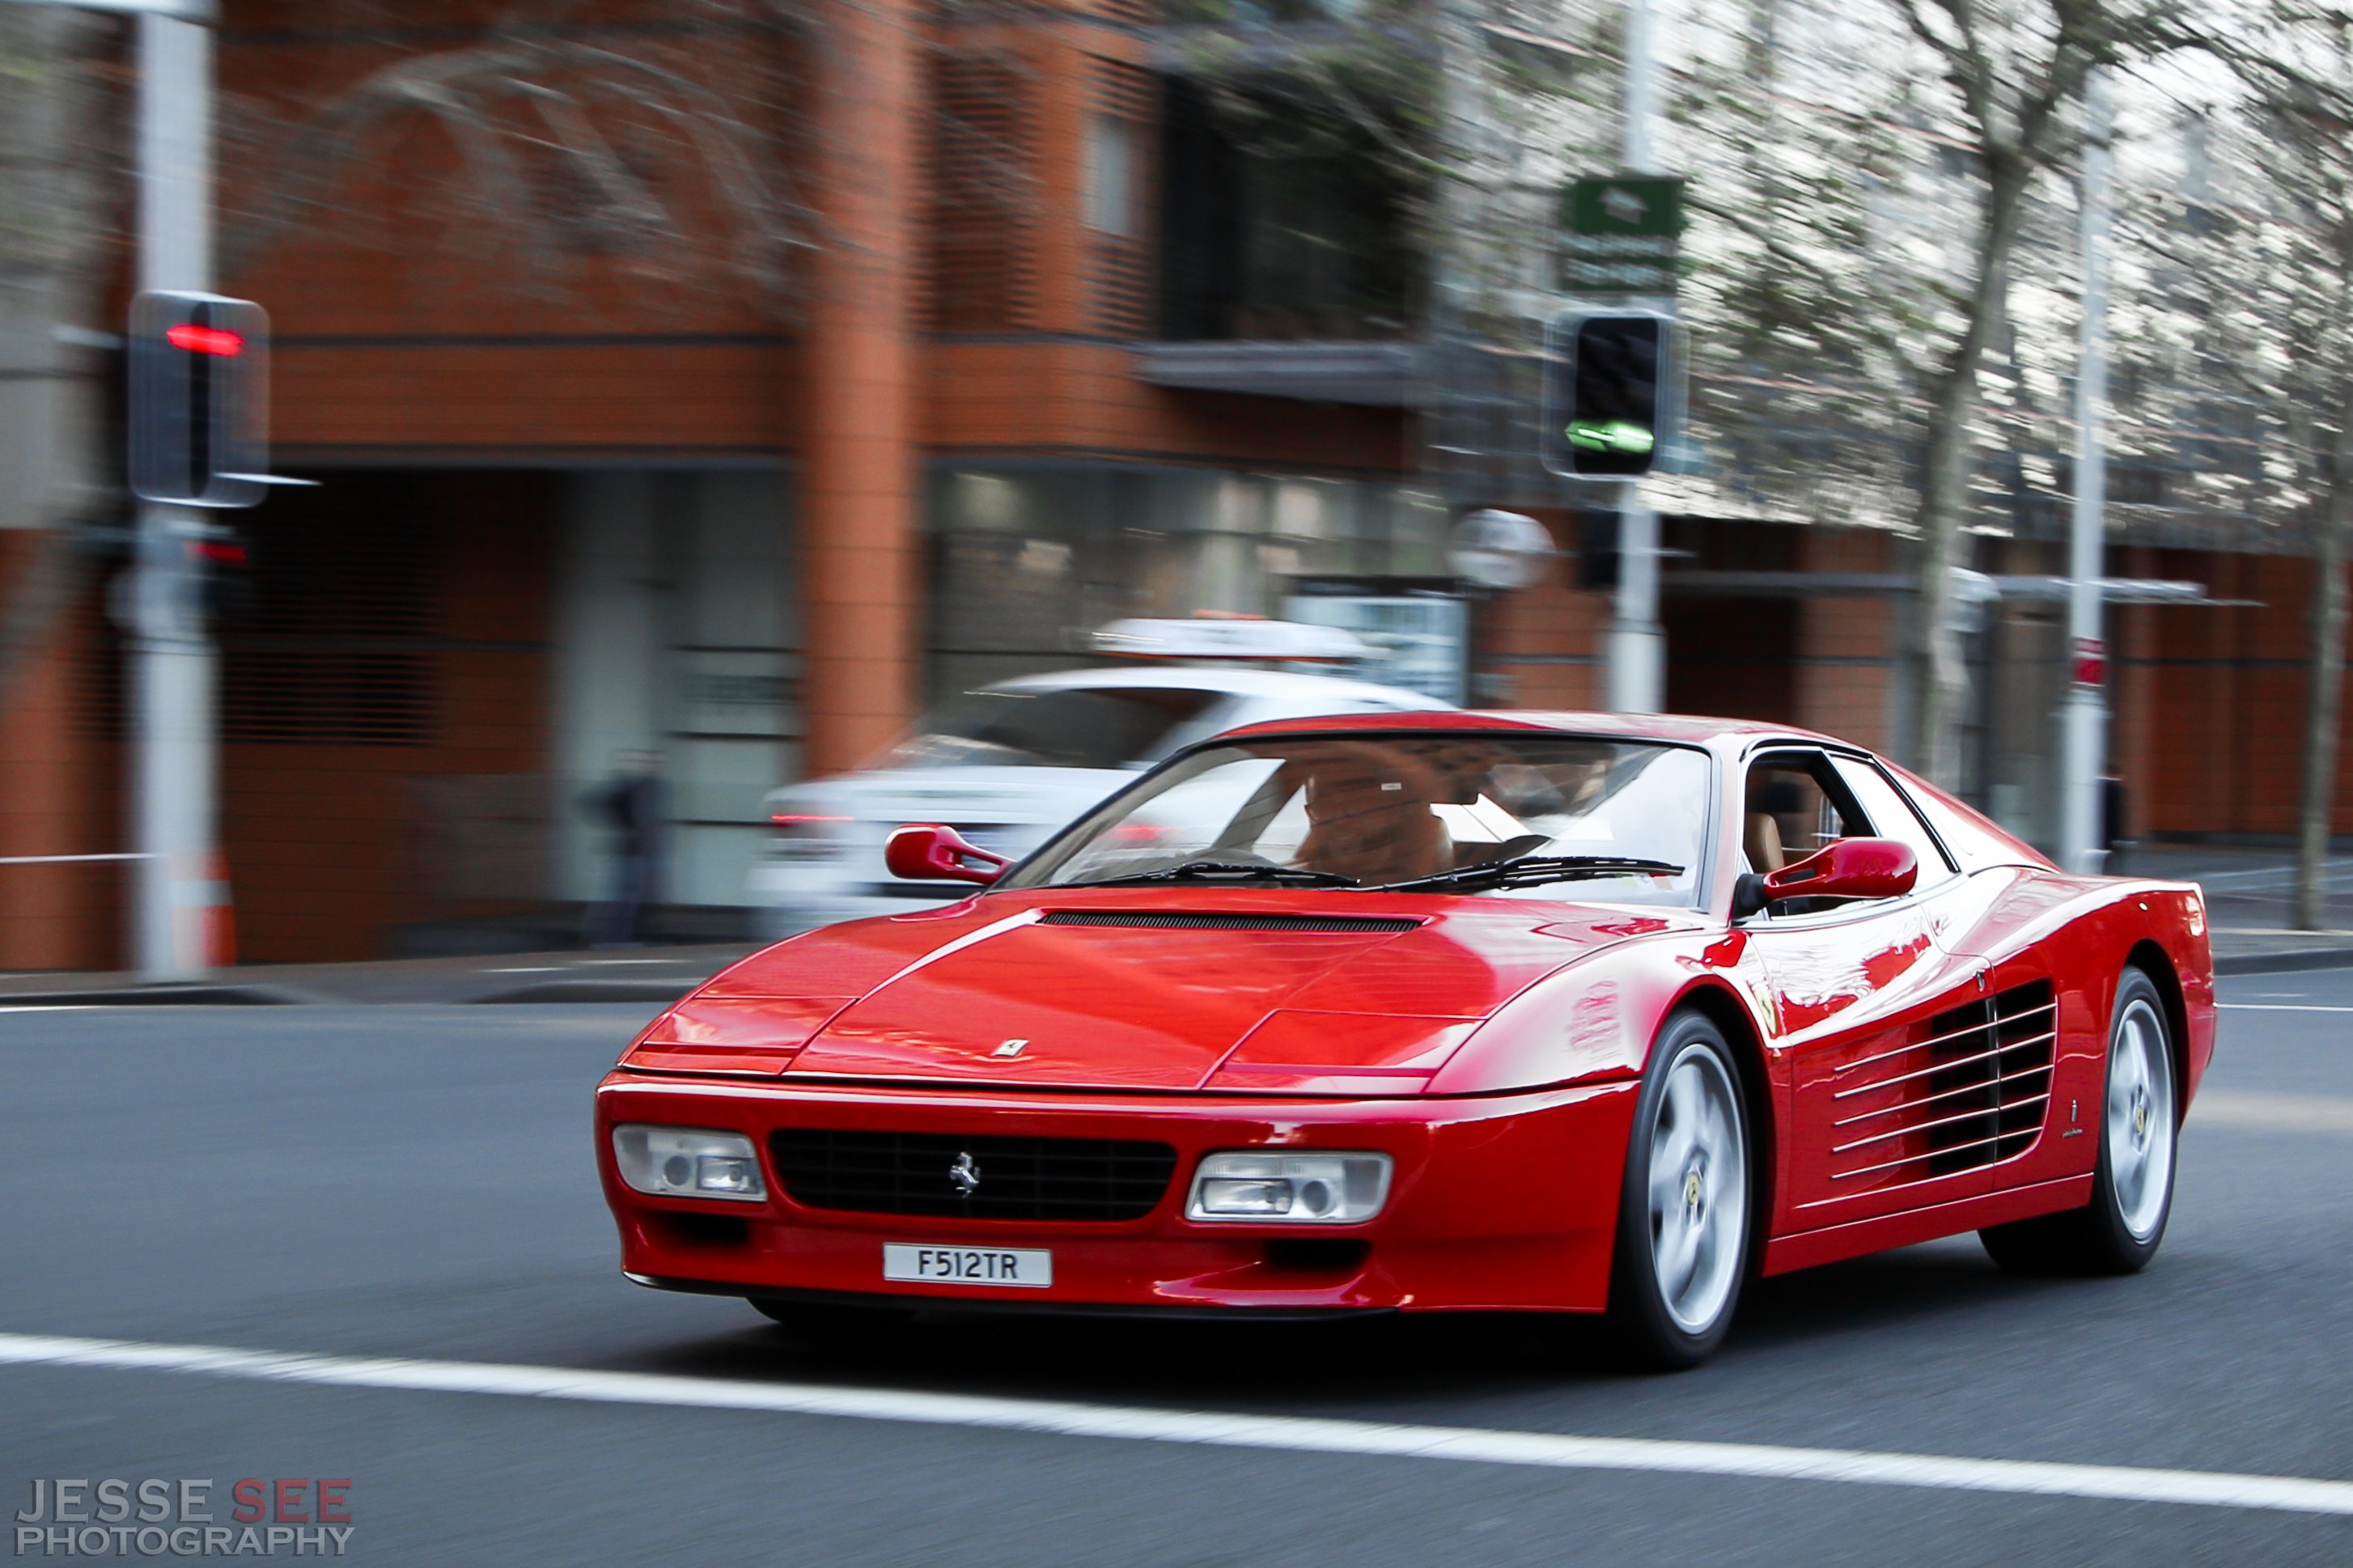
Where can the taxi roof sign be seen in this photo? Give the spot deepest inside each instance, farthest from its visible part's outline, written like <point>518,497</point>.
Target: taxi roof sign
<point>1219,637</point>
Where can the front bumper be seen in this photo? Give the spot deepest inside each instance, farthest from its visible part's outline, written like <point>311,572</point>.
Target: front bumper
<point>1506,1202</point>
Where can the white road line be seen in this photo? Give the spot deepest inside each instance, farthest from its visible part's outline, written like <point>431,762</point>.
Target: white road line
<point>2277,1112</point>
<point>2203,1488</point>
<point>2279,1008</point>
<point>51,1007</point>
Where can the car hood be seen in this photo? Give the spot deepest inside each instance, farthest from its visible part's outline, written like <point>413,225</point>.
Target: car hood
<point>1166,990</point>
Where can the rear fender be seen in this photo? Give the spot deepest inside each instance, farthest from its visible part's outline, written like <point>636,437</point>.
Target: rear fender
<point>2084,931</point>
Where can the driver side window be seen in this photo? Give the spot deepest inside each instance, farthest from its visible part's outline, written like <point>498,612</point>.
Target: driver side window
<point>1794,806</point>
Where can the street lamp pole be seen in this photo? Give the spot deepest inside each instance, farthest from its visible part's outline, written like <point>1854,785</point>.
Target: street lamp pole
<point>2083,713</point>
<point>1637,675</point>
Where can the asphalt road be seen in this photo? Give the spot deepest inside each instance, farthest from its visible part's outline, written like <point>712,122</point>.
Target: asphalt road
<point>412,1182</point>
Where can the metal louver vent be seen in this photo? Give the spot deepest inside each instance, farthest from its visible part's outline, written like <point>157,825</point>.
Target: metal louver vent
<point>1969,1091</point>
<point>332,640</point>
<point>1156,920</point>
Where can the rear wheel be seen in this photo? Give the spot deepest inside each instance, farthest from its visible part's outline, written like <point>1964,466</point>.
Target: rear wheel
<point>1684,1220</point>
<point>2132,1184</point>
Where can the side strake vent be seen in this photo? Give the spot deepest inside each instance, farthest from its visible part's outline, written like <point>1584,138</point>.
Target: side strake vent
<point>1969,1091</point>
<point>1156,920</point>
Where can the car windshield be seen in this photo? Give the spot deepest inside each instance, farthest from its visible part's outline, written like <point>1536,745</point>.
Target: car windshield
<point>1518,816</point>
<point>1071,727</point>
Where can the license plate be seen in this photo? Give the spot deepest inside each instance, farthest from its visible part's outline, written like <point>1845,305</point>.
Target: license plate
<point>1029,1266</point>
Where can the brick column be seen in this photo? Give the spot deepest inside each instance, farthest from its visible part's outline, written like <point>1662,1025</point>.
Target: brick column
<point>1845,645</point>
<point>860,508</point>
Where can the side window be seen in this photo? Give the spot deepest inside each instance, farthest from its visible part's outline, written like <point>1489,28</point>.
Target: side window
<point>1892,817</point>
<point>1794,806</point>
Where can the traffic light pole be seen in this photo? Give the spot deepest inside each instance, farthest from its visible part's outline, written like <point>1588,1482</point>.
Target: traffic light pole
<point>1638,646</point>
<point>2083,713</point>
<point>172,746</point>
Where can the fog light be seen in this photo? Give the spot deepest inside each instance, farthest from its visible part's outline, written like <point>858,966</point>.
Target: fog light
<point>687,1162</point>
<point>1294,1189</point>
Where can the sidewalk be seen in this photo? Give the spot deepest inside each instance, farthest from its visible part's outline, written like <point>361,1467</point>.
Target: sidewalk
<point>648,975</point>
<point>2247,895</point>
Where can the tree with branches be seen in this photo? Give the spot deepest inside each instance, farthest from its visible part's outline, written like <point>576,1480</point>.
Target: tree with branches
<point>2012,73</point>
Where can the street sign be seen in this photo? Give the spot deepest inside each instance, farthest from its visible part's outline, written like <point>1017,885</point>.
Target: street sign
<point>1622,235</point>
<point>1500,550</point>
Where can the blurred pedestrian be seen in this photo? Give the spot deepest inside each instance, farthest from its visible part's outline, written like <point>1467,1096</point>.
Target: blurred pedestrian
<point>630,805</point>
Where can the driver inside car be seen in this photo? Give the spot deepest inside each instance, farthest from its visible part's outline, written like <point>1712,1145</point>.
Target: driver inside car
<point>1369,819</point>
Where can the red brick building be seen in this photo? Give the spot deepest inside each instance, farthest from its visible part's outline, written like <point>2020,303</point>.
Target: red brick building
<point>1038,367</point>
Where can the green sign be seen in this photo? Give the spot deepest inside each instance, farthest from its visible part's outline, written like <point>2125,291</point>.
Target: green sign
<point>1622,236</point>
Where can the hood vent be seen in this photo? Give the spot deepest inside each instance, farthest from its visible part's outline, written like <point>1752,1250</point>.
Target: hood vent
<point>1156,920</point>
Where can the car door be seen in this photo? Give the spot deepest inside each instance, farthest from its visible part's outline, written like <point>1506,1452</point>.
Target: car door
<point>1857,991</point>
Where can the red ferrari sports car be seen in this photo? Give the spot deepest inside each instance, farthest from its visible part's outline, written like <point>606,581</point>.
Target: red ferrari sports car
<point>1574,1013</point>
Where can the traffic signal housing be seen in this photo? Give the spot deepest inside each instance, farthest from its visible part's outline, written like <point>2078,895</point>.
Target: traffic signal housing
<point>199,408</point>
<point>1607,377</point>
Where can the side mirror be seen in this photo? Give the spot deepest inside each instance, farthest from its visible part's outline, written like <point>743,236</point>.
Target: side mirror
<point>1844,868</point>
<point>932,852</point>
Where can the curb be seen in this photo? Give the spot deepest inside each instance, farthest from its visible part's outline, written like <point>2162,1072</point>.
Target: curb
<point>590,990</point>
<point>2285,962</point>
<point>189,996</point>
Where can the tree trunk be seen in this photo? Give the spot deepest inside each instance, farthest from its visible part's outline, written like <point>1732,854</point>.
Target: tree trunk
<point>1945,479</point>
<point>2322,695</point>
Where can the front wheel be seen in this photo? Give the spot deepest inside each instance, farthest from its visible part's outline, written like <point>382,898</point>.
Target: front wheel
<point>1683,1210</point>
<point>2132,1184</point>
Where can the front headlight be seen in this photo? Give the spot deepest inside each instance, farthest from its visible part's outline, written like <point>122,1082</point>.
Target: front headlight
<point>686,1163</point>
<point>1290,1189</point>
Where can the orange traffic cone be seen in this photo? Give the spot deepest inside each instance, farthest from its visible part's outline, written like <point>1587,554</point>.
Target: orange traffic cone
<point>219,917</point>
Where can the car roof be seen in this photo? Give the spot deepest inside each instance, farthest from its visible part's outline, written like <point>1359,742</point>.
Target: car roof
<point>1684,727</point>
<point>1268,683</point>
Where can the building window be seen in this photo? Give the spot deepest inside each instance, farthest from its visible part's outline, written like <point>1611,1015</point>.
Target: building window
<point>1110,176</point>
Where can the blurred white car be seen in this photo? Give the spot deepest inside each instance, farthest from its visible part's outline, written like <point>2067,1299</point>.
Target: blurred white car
<point>1007,766</point>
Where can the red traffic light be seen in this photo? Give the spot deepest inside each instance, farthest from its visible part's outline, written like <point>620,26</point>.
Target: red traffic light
<point>198,340</point>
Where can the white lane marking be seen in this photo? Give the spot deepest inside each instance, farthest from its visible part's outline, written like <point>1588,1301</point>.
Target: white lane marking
<point>2279,1008</point>
<point>2278,1113</point>
<point>51,1007</point>
<point>2204,1489</point>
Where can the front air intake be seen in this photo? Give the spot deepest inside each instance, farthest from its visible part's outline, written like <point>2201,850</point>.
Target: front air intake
<point>1153,919</point>
<point>956,1175</point>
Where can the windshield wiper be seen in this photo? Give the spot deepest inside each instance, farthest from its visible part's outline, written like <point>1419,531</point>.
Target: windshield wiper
<point>1528,870</point>
<point>1232,871</point>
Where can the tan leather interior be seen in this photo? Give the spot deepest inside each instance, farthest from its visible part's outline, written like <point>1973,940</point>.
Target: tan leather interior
<point>1370,819</point>
<point>1761,840</point>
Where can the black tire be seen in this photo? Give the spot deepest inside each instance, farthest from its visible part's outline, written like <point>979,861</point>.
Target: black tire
<point>832,1323</point>
<point>1646,1328</point>
<point>2100,1237</point>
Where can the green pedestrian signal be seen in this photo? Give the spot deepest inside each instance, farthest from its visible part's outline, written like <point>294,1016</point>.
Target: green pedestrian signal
<point>1620,436</point>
